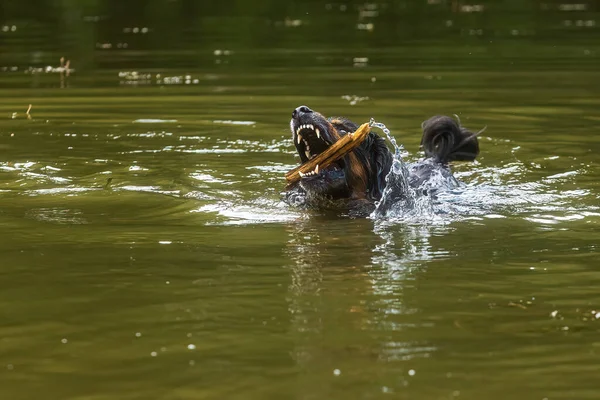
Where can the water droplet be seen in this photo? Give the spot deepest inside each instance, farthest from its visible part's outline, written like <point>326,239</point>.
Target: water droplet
<point>411,372</point>
<point>191,347</point>
<point>154,354</point>
<point>64,341</point>
<point>138,334</point>
<point>337,372</point>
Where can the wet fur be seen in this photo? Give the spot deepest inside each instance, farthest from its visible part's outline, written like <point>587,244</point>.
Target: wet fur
<point>360,178</point>
<point>366,166</point>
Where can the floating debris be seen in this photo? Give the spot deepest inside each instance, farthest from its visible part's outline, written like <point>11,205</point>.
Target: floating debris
<point>365,27</point>
<point>138,78</point>
<point>360,61</point>
<point>64,68</point>
<point>219,52</point>
<point>368,10</point>
<point>470,8</point>
<point>353,99</point>
<point>293,23</point>
<point>15,115</point>
<point>572,7</point>
<point>231,122</point>
<point>154,121</point>
<point>107,186</point>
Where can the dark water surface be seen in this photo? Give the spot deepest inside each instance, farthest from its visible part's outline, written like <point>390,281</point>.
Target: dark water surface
<point>145,252</point>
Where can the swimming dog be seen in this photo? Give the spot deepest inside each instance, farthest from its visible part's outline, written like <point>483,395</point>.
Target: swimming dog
<point>359,178</point>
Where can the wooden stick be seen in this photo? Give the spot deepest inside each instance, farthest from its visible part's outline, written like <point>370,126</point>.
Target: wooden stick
<point>333,153</point>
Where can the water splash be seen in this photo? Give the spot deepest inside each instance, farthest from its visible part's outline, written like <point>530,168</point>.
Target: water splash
<point>496,192</point>
<point>399,149</point>
<point>398,196</point>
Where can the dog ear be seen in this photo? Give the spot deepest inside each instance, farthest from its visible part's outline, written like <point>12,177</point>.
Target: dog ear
<point>384,161</point>
<point>343,125</point>
<point>381,162</point>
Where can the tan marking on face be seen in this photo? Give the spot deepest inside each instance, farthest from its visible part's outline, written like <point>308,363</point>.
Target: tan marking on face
<point>358,178</point>
<point>334,133</point>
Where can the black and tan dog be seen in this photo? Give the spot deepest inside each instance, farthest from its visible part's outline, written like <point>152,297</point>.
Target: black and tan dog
<point>360,177</point>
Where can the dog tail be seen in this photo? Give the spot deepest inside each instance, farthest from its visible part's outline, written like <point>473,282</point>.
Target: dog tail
<point>445,140</point>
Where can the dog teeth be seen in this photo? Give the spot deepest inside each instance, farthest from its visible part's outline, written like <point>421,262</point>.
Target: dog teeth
<point>318,133</point>
<point>311,173</point>
<point>307,126</point>
<point>307,153</point>
<point>299,137</point>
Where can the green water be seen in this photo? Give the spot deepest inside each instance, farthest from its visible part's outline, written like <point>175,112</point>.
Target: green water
<point>145,252</point>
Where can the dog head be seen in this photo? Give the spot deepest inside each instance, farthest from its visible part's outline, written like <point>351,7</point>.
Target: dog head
<point>360,174</point>
<point>312,133</point>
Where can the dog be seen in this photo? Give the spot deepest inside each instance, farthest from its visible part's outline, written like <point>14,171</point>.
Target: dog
<point>359,178</point>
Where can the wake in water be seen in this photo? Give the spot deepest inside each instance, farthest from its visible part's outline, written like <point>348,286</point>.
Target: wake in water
<point>493,193</point>
<point>411,189</point>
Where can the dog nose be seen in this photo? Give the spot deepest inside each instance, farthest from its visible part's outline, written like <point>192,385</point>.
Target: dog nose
<point>298,112</point>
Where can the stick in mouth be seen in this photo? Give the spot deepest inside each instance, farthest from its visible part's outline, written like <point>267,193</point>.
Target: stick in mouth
<point>336,151</point>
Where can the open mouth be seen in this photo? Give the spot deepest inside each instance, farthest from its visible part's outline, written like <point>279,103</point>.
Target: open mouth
<point>309,141</point>
<point>313,134</point>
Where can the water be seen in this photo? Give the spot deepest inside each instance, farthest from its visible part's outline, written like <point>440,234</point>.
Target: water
<point>146,252</point>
